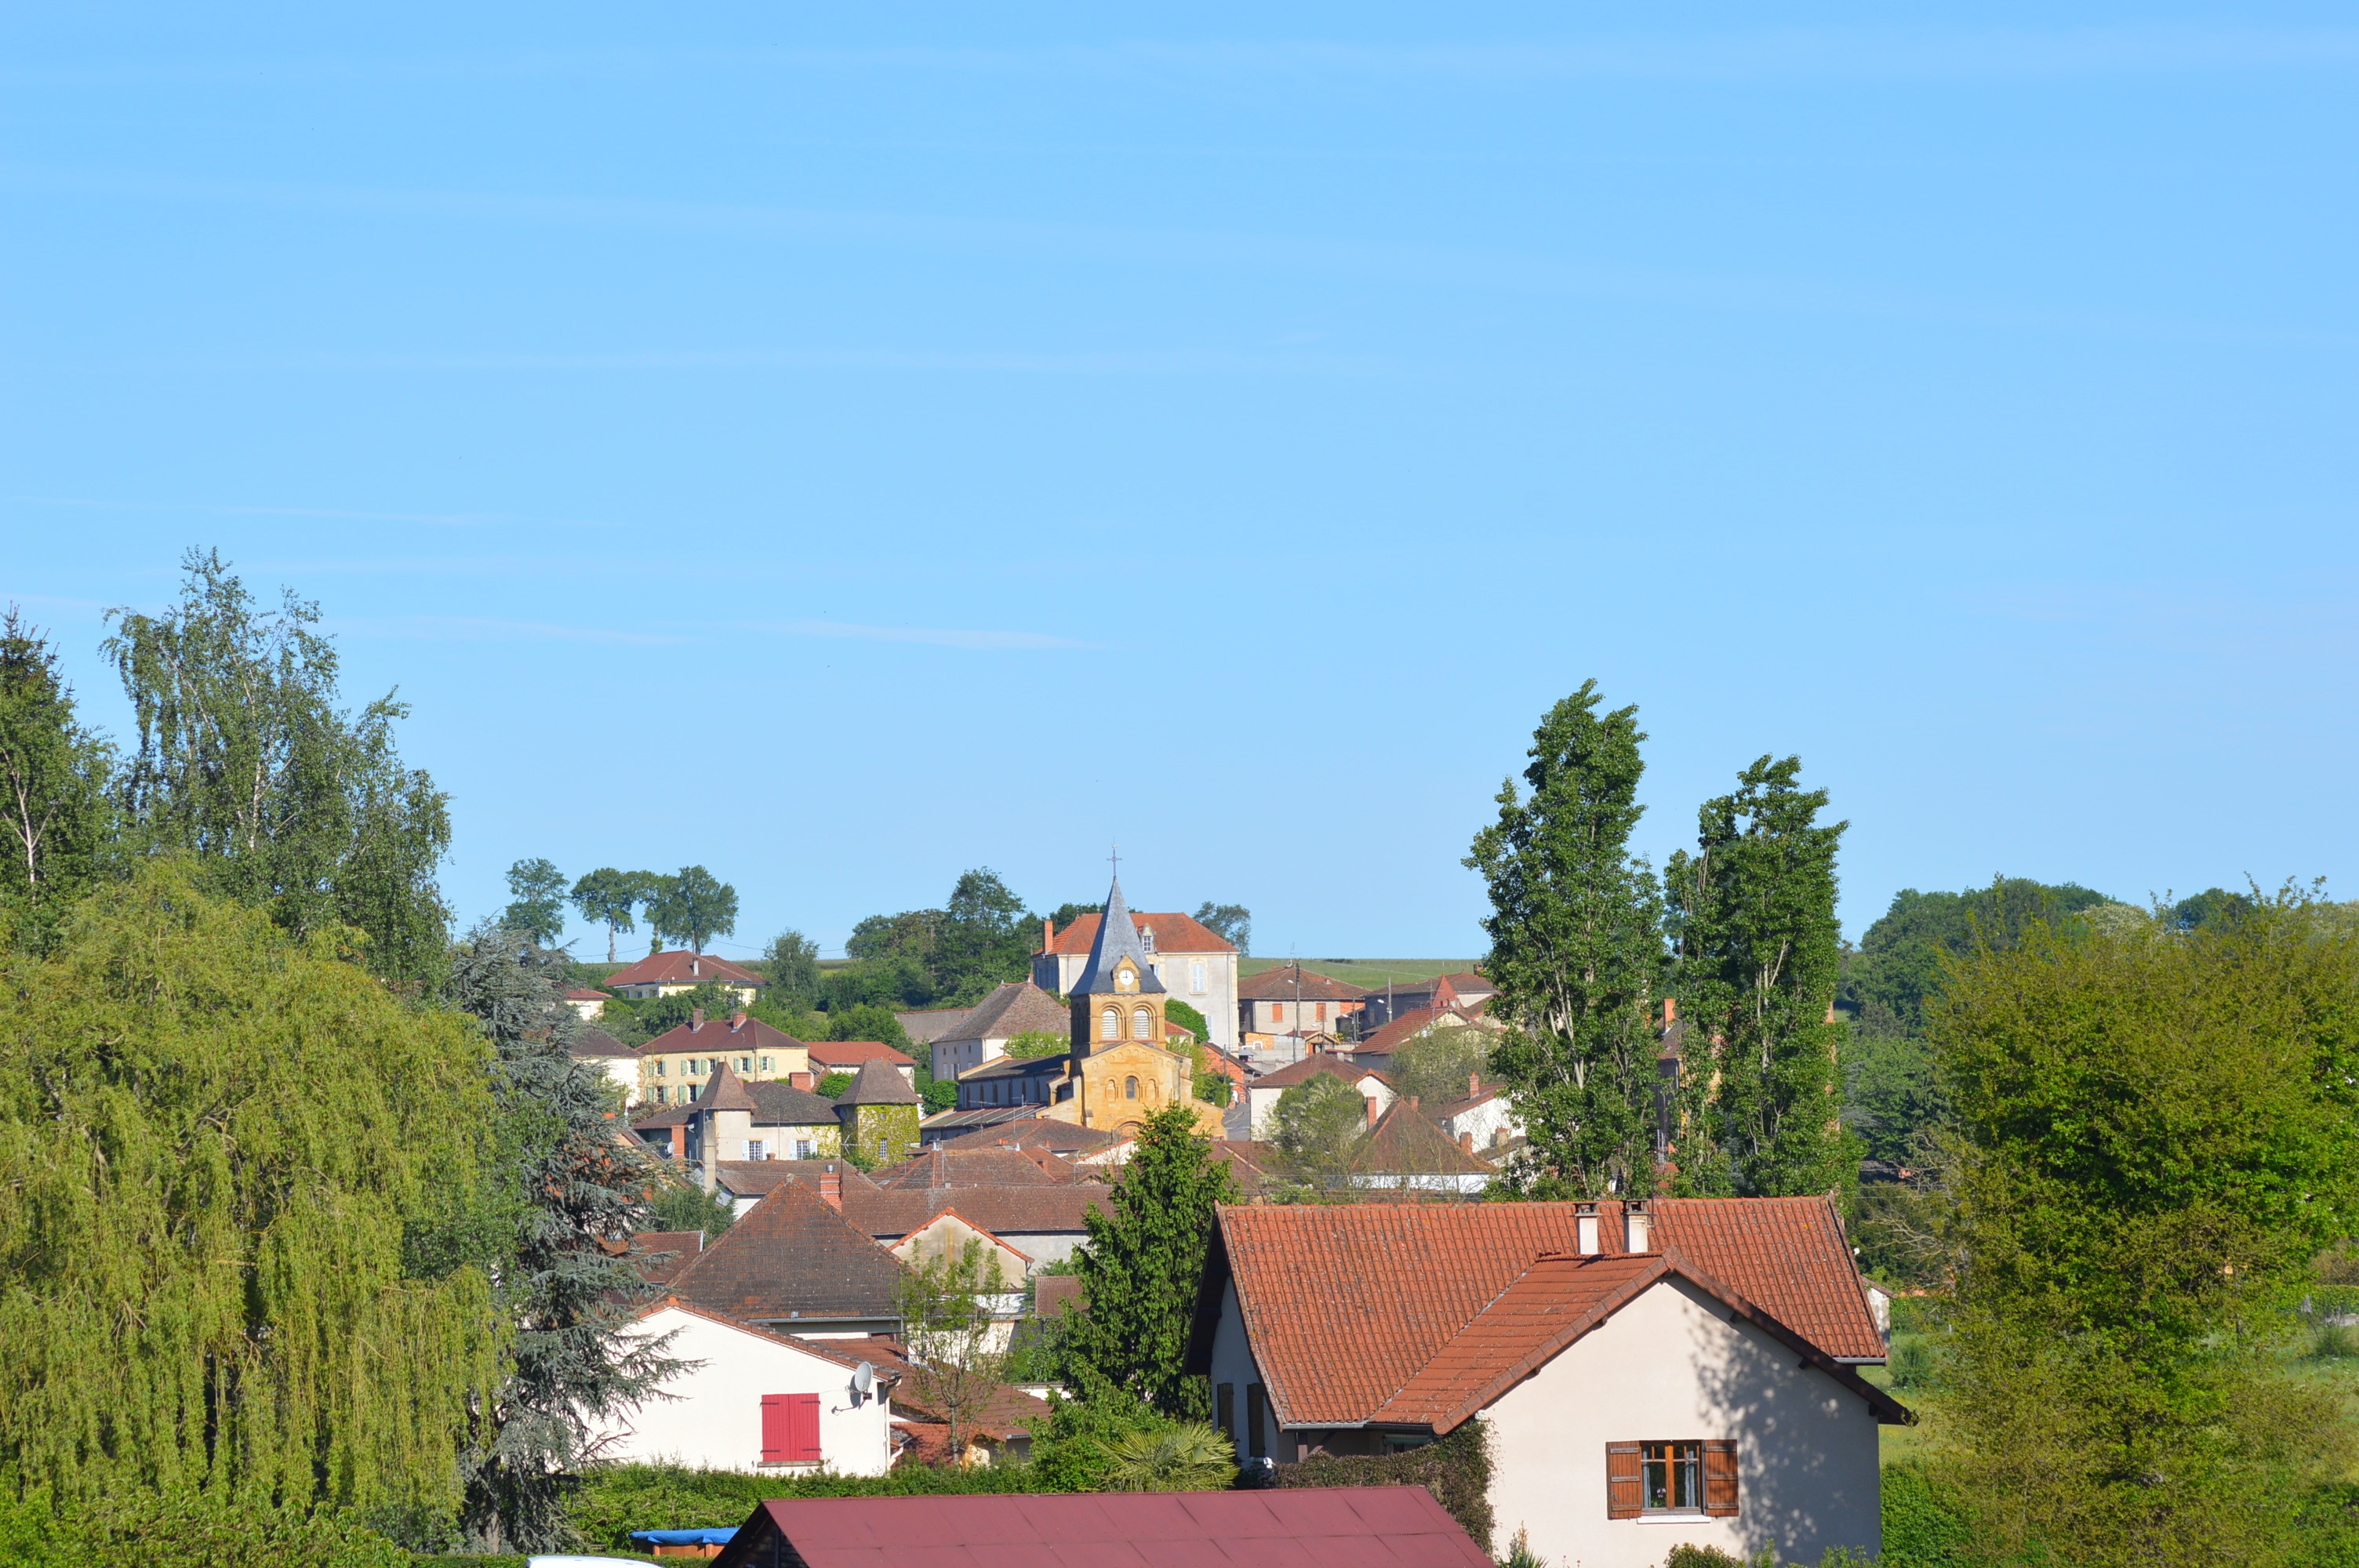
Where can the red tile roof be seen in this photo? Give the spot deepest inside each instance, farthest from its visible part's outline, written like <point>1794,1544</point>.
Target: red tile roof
<point>1392,1036</point>
<point>848,1056</point>
<point>1371,1527</point>
<point>584,993</point>
<point>1003,1211</point>
<point>1405,1141</point>
<point>793,1256</point>
<point>667,1252</point>
<point>1312,1065</point>
<point>1279,985</point>
<point>736,1034</point>
<point>949,1166</point>
<point>1173,933</point>
<point>1344,1305</point>
<point>683,969</point>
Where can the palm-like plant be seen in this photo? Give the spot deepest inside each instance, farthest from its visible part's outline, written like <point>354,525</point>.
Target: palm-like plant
<point>1190,1457</point>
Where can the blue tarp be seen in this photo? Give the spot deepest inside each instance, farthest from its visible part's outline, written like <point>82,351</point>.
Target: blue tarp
<point>719,1536</point>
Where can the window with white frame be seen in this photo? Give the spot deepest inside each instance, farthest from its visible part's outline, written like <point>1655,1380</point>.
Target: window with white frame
<point>1197,970</point>
<point>757,1149</point>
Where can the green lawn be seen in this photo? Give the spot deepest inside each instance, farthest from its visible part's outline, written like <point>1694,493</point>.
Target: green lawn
<point>1369,973</point>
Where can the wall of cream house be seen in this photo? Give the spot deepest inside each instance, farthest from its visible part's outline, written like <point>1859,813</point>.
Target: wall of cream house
<point>1232,1363</point>
<point>1058,973</point>
<point>1492,1123</point>
<point>1670,1365</point>
<point>713,1417</point>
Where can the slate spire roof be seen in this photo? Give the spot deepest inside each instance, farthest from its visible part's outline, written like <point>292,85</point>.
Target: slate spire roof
<point>1117,938</point>
<point>725,1090</point>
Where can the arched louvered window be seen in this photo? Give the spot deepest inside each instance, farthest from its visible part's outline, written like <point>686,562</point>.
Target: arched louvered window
<point>1141,1022</point>
<point>1110,1023</point>
<point>1130,1088</point>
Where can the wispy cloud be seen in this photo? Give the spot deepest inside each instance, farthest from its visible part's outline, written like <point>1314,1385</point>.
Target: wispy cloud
<point>477,628</point>
<point>936,636</point>
<point>1768,54</point>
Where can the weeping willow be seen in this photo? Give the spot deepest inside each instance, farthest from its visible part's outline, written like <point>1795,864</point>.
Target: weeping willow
<point>231,1167</point>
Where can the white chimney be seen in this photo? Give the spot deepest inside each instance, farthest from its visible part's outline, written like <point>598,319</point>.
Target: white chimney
<point>1584,1226</point>
<point>1637,1227</point>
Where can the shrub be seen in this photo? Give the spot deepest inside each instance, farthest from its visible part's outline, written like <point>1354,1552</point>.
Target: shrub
<point>1456,1470</point>
<point>143,1531</point>
<point>1923,1526</point>
<point>1911,1363</point>
<point>1189,1457</point>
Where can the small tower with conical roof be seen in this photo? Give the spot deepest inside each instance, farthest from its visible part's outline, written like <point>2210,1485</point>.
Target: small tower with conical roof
<point>879,1113</point>
<point>1118,996</point>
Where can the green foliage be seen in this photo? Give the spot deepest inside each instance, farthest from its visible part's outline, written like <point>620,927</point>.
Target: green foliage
<point>536,889</point>
<point>607,897</point>
<point>1689,1555</point>
<point>928,958</point>
<point>2155,1136</point>
<point>2211,906</point>
<point>285,800</point>
<point>143,1530</point>
<point>1319,1125</point>
<point>661,1014</point>
<point>1752,916</point>
<point>576,1193</point>
<point>56,820</point>
<point>612,1500</point>
<point>1897,970</point>
<point>1925,1526</point>
<point>1576,952</point>
<point>1188,1018</point>
<point>1891,1095</point>
<point>869,1022</point>
<point>1456,1468</point>
<point>241,1195</point>
<point>1035,1043</point>
<point>692,906</point>
<point>946,1302</point>
<point>792,960</point>
<point>1232,923</point>
<point>834,1084</point>
<point>1190,1456</point>
<point>679,1204</point>
<point>1141,1270</point>
<point>1436,1065</point>
<point>1072,1451</point>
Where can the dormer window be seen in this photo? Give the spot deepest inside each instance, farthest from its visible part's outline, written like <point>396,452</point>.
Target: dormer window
<point>1147,938</point>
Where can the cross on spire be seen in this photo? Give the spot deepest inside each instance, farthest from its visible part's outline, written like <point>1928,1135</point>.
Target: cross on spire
<point>1114,858</point>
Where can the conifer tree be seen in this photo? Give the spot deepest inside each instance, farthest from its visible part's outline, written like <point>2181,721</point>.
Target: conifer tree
<point>234,1175</point>
<point>1758,950</point>
<point>576,1189</point>
<point>54,812</point>
<point>1140,1271</point>
<point>1576,952</point>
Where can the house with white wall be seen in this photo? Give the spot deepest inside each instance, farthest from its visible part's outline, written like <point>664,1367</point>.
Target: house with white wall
<point>1194,964</point>
<point>755,1399</point>
<point>1258,1109</point>
<point>1652,1374</point>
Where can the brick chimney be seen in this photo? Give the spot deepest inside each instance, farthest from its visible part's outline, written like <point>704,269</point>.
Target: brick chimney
<point>1466,1141</point>
<point>695,1019</point>
<point>1671,1011</point>
<point>736,1021</point>
<point>1473,1084</point>
<point>1048,932</point>
<point>831,1184</point>
<point>1372,1111</point>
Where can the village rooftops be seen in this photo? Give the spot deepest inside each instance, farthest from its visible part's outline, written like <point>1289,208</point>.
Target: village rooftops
<point>1169,933</point>
<point>1016,1007</point>
<point>735,1032</point>
<point>725,1090</point>
<point>1279,985</point>
<point>1318,1063</point>
<point>1348,1305</point>
<point>682,970</point>
<point>794,1258</point>
<point>850,1055</point>
<point>783,1105</point>
<point>596,1043</point>
<point>1405,1143</point>
<point>941,1167</point>
<point>879,1082</point>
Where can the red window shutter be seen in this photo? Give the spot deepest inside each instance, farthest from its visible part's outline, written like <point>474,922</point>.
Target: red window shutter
<point>1720,1476</point>
<point>802,1428</point>
<point>774,1428</point>
<point>1621,1491</point>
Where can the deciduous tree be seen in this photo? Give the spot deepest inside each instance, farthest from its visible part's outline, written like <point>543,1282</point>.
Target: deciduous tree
<point>537,891</point>
<point>1576,952</point>
<point>53,778</point>
<point>1232,923</point>
<point>793,958</point>
<point>1319,1125</point>
<point>692,906</point>
<point>247,763</point>
<point>607,897</point>
<point>1752,922</point>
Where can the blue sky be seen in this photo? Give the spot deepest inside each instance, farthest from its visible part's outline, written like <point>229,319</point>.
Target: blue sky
<point>842,452</point>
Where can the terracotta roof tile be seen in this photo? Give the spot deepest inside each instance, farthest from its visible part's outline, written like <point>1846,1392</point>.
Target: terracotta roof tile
<point>1313,1065</point>
<point>683,969</point>
<point>792,1255</point>
<point>1279,985</point>
<point>943,1166</point>
<point>1173,933</point>
<point>850,1055</point>
<point>1346,1303</point>
<point>1405,1141</point>
<point>737,1034</point>
<point>1016,1007</point>
<point>667,1252</point>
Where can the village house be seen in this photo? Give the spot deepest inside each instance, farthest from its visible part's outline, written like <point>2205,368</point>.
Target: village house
<point>1483,1121</point>
<point>1187,960</point>
<point>832,1056</point>
<point>879,1113</point>
<point>1377,1046</point>
<point>1258,1111</point>
<point>1406,1152</point>
<point>586,1004</point>
<point>618,1062</point>
<point>794,1264</point>
<point>755,1400</point>
<point>983,1031</point>
<point>674,1064</point>
<point>1684,1371</point>
<point>1467,993</point>
<point>1293,1000</point>
<point>669,974</point>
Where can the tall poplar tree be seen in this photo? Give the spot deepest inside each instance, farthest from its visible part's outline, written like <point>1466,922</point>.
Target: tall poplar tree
<point>576,1188</point>
<point>247,762</point>
<point>1752,916</point>
<point>1576,952</point>
<point>225,1154</point>
<point>54,813</point>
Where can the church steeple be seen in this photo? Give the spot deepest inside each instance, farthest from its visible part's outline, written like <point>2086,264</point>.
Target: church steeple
<point>1119,996</point>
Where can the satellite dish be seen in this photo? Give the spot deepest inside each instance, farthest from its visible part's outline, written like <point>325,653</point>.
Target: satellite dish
<point>863,1379</point>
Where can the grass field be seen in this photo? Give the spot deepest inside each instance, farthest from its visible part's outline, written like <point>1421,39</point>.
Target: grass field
<point>1365,972</point>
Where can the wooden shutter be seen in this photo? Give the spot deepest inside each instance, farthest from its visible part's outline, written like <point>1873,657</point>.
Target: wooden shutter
<point>1224,1408</point>
<point>1720,1476</point>
<point>1256,1421</point>
<point>774,1428</point>
<point>802,1428</point>
<point>1623,1495</point>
